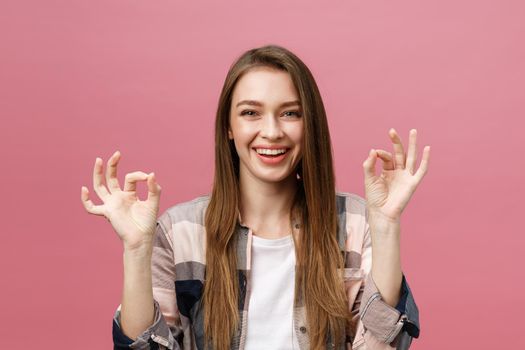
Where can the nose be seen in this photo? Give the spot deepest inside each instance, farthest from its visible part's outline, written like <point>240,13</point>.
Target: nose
<point>270,128</point>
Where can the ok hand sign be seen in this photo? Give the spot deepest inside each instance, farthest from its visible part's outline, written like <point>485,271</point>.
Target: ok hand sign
<point>133,220</point>
<point>389,193</point>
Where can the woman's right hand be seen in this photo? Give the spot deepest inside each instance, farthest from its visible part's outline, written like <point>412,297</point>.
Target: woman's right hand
<point>133,220</point>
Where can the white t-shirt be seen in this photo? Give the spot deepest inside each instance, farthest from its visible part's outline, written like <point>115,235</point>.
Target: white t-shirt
<point>270,309</point>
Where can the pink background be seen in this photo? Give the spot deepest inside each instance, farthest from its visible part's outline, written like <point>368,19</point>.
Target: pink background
<point>81,79</point>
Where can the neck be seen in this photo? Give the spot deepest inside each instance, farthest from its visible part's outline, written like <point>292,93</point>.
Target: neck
<point>265,206</point>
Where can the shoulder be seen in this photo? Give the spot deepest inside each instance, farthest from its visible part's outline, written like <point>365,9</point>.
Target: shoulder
<point>191,211</point>
<point>353,219</point>
<point>185,229</point>
<point>351,203</point>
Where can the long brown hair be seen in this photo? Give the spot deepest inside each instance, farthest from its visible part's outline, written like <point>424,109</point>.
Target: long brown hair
<point>319,260</point>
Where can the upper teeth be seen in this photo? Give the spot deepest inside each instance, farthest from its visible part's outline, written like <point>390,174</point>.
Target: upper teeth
<point>270,151</point>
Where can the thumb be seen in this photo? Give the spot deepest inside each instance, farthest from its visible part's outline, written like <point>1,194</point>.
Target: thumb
<point>154,189</point>
<point>369,165</point>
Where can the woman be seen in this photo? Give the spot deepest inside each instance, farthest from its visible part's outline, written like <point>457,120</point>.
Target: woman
<point>274,257</point>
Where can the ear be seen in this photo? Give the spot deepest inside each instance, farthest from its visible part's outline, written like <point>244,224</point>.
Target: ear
<point>230,134</point>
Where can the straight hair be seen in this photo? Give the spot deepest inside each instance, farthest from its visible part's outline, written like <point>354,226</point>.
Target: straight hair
<point>319,283</point>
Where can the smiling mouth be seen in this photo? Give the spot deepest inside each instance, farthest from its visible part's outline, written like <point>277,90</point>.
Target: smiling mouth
<point>271,153</point>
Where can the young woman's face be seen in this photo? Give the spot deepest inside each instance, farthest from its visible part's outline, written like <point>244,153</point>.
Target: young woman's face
<point>265,121</point>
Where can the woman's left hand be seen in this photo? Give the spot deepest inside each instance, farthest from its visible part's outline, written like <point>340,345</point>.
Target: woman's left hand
<point>388,194</point>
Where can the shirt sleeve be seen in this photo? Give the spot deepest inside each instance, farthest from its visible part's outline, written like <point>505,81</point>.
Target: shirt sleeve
<point>386,326</point>
<point>166,331</point>
<point>386,323</point>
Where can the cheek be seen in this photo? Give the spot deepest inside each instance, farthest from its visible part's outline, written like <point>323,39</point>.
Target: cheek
<point>296,134</point>
<point>242,140</point>
<point>244,133</point>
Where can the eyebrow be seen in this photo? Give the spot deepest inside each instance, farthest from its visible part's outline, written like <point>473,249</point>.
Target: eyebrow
<point>257,103</point>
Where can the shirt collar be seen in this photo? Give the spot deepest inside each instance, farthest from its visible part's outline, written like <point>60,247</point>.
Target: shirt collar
<point>296,222</point>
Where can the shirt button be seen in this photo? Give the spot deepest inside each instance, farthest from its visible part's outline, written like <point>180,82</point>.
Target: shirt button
<point>303,329</point>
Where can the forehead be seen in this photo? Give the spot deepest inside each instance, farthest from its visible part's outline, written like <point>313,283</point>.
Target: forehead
<point>265,84</point>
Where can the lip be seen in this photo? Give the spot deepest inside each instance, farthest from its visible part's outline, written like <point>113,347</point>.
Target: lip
<point>271,147</point>
<point>272,160</point>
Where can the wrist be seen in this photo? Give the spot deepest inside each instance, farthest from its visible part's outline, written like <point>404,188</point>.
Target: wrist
<point>382,226</point>
<point>376,215</point>
<point>138,250</point>
<point>380,215</point>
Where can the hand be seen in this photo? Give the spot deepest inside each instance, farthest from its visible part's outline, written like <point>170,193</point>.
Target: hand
<point>133,220</point>
<point>388,194</point>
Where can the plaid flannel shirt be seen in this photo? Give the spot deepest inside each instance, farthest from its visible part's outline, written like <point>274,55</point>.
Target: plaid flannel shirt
<point>178,271</point>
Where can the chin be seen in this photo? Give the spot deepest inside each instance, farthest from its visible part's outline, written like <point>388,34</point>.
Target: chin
<point>275,178</point>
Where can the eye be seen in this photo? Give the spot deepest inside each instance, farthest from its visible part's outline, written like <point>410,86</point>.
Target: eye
<point>248,112</point>
<point>296,114</point>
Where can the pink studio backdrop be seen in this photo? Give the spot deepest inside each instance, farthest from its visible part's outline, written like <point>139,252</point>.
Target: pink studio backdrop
<point>81,79</point>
